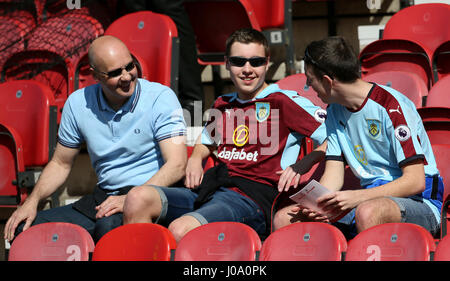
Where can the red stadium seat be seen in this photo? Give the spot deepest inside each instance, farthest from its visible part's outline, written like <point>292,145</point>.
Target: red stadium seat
<point>219,241</point>
<point>208,163</point>
<point>438,131</point>
<point>28,134</point>
<point>434,113</point>
<point>396,54</point>
<point>406,83</point>
<point>55,241</point>
<point>442,155</point>
<point>442,252</point>
<point>153,40</point>
<point>391,242</point>
<point>272,17</point>
<point>439,95</point>
<point>297,82</point>
<point>441,61</point>
<point>304,241</point>
<point>426,24</point>
<point>135,242</point>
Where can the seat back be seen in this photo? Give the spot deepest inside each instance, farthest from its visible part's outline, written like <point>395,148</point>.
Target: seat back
<point>423,23</point>
<point>442,252</point>
<point>391,242</point>
<point>434,113</point>
<point>28,107</point>
<point>135,242</point>
<point>304,241</point>
<point>396,54</point>
<point>439,95</point>
<point>55,241</point>
<point>219,241</point>
<point>297,82</point>
<point>441,61</point>
<point>438,131</point>
<point>406,83</point>
<point>153,39</point>
<point>442,154</point>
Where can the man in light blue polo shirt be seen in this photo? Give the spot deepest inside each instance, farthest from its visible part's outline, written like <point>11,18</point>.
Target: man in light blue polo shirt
<point>134,133</point>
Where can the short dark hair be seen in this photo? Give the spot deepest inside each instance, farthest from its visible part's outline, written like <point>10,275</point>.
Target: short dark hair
<point>247,36</point>
<point>333,56</point>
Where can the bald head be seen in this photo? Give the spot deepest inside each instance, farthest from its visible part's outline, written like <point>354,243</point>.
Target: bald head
<point>104,49</point>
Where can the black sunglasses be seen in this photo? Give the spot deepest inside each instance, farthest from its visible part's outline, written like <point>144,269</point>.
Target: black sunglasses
<point>241,61</point>
<point>309,59</point>
<point>116,72</point>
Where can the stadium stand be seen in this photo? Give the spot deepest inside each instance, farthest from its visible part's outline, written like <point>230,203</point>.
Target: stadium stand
<point>406,83</point>
<point>441,61</point>
<point>28,136</point>
<point>426,24</point>
<point>396,54</point>
<point>434,113</point>
<point>219,241</point>
<point>55,241</point>
<point>297,82</point>
<point>439,95</point>
<point>442,252</point>
<point>153,40</point>
<point>135,242</point>
<point>304,241</point>
<point>391,242</point>
<point>442,155</point>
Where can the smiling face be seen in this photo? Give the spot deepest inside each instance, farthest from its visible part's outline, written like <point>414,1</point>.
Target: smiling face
<point>249,80</point>
<point>109,54</point>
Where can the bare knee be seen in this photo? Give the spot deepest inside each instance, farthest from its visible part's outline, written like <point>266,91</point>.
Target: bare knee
<point>183,225</point>
<point>283,217</point>
<point>142,204</point>
<point>376,211</point>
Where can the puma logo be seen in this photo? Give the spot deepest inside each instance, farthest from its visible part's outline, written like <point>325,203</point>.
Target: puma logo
<point>395,110</point>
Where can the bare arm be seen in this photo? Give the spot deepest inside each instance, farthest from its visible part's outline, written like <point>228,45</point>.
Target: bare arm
<point>194,168</point>
<point>52,177</point>
<point>292,174</point>
<point>173,151</point>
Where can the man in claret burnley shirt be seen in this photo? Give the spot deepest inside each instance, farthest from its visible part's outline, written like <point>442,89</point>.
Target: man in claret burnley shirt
<point>256,131</point>
<point>377,131</point>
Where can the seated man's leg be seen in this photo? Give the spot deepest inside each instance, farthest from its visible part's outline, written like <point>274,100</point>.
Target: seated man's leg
<point>226,205</point>
<point>105,224</point>
<point>393,209</point>
<point>62,214</point>
<point>157,204</point>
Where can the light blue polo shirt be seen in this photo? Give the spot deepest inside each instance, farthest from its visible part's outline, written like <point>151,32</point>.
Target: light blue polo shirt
<point>123,145</point>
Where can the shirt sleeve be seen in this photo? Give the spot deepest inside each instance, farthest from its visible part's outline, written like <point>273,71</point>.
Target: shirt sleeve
<point>168,116</point>
<point>69,134</point>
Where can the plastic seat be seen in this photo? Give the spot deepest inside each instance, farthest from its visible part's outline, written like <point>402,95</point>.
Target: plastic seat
<point>438,131</point>
<point>442,252</point>
<point>442,155</point>
<point>219,241</point>
<point>423,23</point>
<point>55,241</point>
<point>153,40</point>
<point>135,242</point>
<point>439,95</point>
<point>396,54</point>
<point>304,241</point>
<point>406,83</point>
<point>272,17</point>
<point>434,113</point>
<point>441,61</point>
<point>297,82</point>
<point>28,134</point>
<point>391,242</point>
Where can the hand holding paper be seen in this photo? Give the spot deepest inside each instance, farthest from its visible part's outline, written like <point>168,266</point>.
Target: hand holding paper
<point>307,198</point>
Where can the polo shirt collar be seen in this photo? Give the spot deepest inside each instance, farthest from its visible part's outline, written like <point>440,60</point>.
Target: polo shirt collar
<point>130,105</point>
